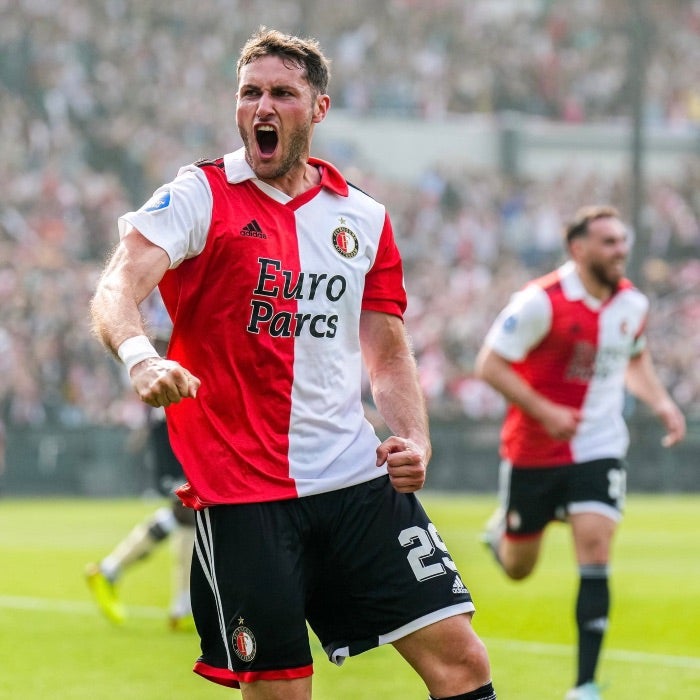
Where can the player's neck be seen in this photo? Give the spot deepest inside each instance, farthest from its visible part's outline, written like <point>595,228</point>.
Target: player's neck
<point>296,181</point>
<point>594,286</point>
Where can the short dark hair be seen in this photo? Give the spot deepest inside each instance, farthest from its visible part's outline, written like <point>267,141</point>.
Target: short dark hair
<point>578,226</point>
<point>304,53</point>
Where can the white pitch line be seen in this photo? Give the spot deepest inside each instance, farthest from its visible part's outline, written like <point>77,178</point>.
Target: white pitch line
<point>76,607</point>
<point>623,655</point>
<point>71,607</point>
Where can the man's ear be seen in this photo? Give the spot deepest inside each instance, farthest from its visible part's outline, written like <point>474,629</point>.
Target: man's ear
<point>322,104</point>
<point>576,247</point>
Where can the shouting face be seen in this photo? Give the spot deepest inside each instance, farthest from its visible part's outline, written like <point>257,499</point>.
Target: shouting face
<point>275,114</point>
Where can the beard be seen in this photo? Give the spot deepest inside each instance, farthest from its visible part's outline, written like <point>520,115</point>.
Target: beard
<point>606,275</point>
<point>296,154</point>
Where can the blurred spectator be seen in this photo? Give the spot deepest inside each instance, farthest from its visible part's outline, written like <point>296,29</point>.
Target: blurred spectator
<point>98,106</point>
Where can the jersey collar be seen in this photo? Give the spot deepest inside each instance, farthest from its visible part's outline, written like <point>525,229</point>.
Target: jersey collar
<point>574,289</point>
<point>238,170</point>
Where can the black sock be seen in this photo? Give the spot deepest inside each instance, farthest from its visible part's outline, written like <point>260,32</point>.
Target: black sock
<point>592,607</point>
<point>486,692</point>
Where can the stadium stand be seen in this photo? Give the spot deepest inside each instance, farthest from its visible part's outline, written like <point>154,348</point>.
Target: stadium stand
<point>103,101</point>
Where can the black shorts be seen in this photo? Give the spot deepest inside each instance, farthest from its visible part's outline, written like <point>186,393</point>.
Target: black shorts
<point>532,497</point>
<point>363,565</point>
<point>168,472</point>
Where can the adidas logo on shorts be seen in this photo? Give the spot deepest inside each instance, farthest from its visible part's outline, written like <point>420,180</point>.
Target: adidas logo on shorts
<point>458,586</point>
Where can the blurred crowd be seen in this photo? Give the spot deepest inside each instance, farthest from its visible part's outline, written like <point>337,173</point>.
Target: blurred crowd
<point>101,102</point>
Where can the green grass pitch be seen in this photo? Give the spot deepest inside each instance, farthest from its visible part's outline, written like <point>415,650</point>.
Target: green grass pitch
<point>53,643</point>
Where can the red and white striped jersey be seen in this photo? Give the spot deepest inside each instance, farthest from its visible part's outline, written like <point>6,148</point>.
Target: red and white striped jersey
<point>573,349</point>
<point>265,294</point>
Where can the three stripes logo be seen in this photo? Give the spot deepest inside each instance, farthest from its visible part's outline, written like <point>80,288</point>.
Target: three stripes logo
<point>458,586</point>
<point>253,230</point>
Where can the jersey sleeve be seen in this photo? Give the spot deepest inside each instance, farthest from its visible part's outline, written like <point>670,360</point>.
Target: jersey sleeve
<point>384,288</point>
<point>176,218</point>
<point>521,325</point>
<point>640,339</point>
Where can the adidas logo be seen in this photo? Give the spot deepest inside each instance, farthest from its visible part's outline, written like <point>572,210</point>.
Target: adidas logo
<point>458,586</point>
<point>252,229</point>
<point>600,624</point>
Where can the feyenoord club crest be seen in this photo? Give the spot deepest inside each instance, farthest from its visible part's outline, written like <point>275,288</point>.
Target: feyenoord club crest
<point>345,241</point>
<point>244,643</point>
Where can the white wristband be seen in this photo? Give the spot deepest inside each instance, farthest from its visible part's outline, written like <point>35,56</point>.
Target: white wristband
<point>134,350</point>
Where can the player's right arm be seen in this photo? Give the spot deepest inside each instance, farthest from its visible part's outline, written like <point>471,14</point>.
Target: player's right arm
<point>131,274</point>
<point>521,326</point>
<point>558,420</point>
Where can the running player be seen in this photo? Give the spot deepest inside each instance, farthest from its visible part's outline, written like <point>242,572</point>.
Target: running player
<point>562,353</point>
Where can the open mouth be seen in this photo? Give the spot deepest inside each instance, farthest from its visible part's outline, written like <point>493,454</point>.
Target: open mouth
<point>267,139</point>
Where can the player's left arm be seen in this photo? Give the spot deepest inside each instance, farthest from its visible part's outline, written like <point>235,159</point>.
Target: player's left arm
<point>397,395</point>
<point>643,382</point>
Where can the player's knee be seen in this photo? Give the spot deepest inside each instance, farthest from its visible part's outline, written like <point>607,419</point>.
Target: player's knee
<point>517,569</point>
<point>518,559</point>
<point>517,573</point>
<point>468,667</point>
<point>477,659</point>
<point>161,524</point>
<point>471,655</point>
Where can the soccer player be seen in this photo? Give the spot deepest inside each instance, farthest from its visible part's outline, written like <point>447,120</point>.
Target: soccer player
<point>562,353</point>
<point>174,522</point>
<point>281,278</point>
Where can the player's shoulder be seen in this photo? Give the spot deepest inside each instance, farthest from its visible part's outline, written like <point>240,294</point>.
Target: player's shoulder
<point>531,301</point>
<point>548,282</point>
<point>359,191</point>
<point>209,162</point>
<point>538,291</point>
<point>204,172</point>
<point>630,295</point>
<point>626,285</point>
<point>364,202</point>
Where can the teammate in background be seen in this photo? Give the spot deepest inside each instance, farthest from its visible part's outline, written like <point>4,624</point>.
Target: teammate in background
<point>562,353</point>
<point>173,521</point>
<point>281,278</point>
